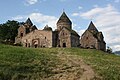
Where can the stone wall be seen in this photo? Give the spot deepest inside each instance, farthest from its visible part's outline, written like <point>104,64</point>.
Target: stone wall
<point>63,24</point>
<point>103,46</point>
<point>55,38</point>
<point>64,38</point>
<point>88,40</point>
<point>21,31</point>
<point>38,38</point>
<point>75,41</point>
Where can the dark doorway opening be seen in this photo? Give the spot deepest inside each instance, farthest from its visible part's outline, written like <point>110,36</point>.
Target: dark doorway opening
<point>35,45</point>
<point>64,44</point>
<point>21,35</point>
<point>25,44</point>
<point>28,44</point>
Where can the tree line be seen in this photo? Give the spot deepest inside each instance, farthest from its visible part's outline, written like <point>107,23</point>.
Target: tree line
<point>9,30</point>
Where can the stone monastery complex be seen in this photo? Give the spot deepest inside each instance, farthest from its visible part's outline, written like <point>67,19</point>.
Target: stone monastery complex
<point>63,36</point>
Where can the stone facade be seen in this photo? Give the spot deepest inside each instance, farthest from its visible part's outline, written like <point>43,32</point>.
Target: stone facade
<point>93,39</point>
<point>63,36</point>
<point>24,29</point>
<point>38,38</point>
<point>66,34</point>
<point>67,38</point>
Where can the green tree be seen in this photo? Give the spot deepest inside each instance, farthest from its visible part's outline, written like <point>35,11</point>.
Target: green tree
<point>109,50</point>
<point>8,30</point>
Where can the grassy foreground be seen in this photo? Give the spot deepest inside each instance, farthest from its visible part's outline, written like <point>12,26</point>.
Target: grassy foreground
<point>18,63</point>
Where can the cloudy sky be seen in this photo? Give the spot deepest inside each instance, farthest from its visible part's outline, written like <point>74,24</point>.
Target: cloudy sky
<point>104,13</point>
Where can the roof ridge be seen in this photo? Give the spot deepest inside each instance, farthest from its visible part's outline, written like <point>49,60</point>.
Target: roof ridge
<point>92,27</point>
<point>64,18</point>
<point>28,21</point>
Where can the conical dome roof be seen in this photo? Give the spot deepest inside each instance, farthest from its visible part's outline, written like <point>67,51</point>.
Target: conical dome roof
<point>64,18</point>
<point>29,22</point>
<point>47,28</point>
<point>92,27</point>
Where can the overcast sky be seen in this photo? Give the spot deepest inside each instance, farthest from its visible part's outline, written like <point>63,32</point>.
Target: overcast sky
<point>104,13</point>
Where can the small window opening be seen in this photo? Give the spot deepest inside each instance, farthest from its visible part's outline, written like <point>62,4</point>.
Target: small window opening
<point>64,44</point>
<point>21,34</point>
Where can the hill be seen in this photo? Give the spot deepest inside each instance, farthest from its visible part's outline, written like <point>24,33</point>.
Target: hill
<point>117,52</point>
<point>18,63</point>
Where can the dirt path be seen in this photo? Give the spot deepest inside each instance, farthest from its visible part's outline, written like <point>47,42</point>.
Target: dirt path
<point>73,68</point>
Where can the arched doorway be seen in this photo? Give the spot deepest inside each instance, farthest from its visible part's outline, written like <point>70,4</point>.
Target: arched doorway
<point>64,44</point>
<point>35,43</point>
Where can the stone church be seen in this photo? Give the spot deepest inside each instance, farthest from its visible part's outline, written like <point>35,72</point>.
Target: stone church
<point>63,36</point>
<point>92,38</point>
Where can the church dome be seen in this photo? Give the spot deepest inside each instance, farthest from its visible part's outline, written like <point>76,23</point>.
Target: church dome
<point>64,18</point>
<point>29,22</point>
<point>92,27</point>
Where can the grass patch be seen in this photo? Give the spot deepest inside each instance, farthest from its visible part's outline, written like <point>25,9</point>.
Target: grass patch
<point>106,65</point>
<point>18,63</point>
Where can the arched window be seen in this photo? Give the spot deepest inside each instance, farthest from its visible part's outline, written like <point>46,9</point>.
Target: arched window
<point>25,44</point>
<point>21,34</point>
<point>86,37</point>
<point>63,33</point>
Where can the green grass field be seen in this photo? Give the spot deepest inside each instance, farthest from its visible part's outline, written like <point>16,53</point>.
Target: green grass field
<point>18,63</point>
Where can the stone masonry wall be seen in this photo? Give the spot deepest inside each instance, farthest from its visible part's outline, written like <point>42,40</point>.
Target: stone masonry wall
<point>88,41</point>
<point>38,38</point>
<point>64,37</point>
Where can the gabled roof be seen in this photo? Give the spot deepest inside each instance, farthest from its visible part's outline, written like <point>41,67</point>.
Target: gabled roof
<point>92,27</point>
<point>29,22</point>
<point>34,27</point>
<point>93,30</point>
<point>47,28</point>
<point>64,18</point>
<point>71,31</point>
<point>95,35</point>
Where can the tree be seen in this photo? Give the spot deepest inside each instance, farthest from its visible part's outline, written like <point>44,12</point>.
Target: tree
<point>109,50</point>
<point>8,30</point>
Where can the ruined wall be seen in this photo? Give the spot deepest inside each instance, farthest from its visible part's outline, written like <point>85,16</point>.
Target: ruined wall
<point>38,38</point>
<point>21,33</point>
